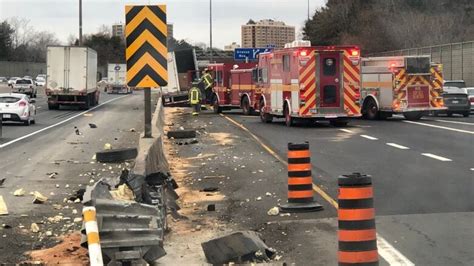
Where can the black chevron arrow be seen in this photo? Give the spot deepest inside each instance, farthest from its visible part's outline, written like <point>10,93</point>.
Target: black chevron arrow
<point>146,25</point>
<point>133,12</point>
<point>147,48</point>
<point>147,70</point>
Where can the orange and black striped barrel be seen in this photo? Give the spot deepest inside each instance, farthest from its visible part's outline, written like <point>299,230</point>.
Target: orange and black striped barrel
<point>300,182</point>
<point>357,234</point>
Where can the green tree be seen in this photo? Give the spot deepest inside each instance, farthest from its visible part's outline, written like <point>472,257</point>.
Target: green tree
<point>6,43</point>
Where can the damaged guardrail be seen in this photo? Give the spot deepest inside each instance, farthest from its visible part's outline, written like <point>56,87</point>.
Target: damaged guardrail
<point>131,210</point>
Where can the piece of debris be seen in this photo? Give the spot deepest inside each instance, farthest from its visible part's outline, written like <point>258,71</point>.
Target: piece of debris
<point>273,211</point>
<point>19,192</point>
<point>182,134</point>
<point>49,233</point>
<point>39,198</point>
<point>77,131</point>
<point>57,186</point>
<point>211,207</point>
<point>52,175</point>
<point>6,226</point>
<point>92,125</point>
<point>123,192</point>
<point>116,155</point>
<point>66,186</point>
<point>198,228</point>
<point>2,181</point>
<point>56,219</point>
<point>258,199</point>
<point>238,247</point>
<point>132,130</point>
<point>107,146</point>
<point>3,207</point>
<point>74,211</point>
<point>210,189</point>
<point>34,228</point>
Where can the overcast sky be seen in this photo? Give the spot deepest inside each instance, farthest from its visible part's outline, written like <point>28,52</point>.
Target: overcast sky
<point>190,17</point>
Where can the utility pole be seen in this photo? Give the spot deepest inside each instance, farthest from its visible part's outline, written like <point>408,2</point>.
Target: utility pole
<point>80,22</point>
<point>308,10</point>
<point>210,30</point>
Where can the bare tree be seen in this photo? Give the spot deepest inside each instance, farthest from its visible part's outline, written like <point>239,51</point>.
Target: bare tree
<point>22,31</point>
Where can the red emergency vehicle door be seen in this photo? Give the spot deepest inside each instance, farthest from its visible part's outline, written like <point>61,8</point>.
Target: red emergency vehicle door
<point>330,80</point>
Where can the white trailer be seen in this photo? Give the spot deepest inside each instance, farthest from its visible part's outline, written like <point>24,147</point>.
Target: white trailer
<point>117,79</point>
<point>71,77</point>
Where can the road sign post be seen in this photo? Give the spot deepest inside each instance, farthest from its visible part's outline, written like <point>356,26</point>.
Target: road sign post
<point>147,52</point>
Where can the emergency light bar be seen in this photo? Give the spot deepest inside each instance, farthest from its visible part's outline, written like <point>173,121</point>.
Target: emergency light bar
<point>299,43</point>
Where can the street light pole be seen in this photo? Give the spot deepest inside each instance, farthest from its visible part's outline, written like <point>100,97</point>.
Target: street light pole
<point>308,10</point>
<point>80,22</point>
<point>210,30</point>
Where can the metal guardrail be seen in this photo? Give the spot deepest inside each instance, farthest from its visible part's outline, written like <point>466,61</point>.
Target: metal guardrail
<point>457,59</point>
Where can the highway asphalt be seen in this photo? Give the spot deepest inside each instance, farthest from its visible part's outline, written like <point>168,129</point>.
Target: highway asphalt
<point>29,154</point>
<point>422,172</point>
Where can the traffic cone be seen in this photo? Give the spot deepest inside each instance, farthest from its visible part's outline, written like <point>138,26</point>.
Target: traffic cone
<point>357,235</point>
<point>300,181</point>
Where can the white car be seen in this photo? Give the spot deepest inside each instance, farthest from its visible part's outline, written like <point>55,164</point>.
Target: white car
<point>25,86</point>
<point>40,82</point>
<point>17,107</point>
<point>12,80</point>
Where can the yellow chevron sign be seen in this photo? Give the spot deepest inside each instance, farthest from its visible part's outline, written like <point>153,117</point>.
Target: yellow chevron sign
<point>146,53</point>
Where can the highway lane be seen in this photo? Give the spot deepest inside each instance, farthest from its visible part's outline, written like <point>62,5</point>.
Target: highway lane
<point>44,117</point>
<point>414,194</point>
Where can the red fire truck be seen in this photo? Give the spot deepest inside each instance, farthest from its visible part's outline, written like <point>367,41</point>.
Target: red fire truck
<point>305,82</point>
<point>234,87</point>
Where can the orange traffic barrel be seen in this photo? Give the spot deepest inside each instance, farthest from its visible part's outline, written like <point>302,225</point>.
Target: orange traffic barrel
<point>357,235</point>
<point>300,180</point>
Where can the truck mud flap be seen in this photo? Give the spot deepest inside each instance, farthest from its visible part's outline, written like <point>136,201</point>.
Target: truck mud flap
<point>116,155</point>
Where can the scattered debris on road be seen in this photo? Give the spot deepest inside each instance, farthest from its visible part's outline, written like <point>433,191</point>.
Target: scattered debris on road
<point>107,146</point>
<point>19,192</point>
<point>239,247</point>
<point>34,228</point>
<point>273,211</point>
<point>116,155</point>
<point>52,175</point>
<point>2,181</point>
<point>39,198</point>
<point>92,125</point>
<point>3,207</point>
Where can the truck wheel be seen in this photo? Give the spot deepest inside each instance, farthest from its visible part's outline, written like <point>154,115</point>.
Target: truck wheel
<point>246,106</point>
<point>116,155</point>
<point>413,116</point>
<point>27,122</point>
<point>338,123</point>
<point>264,117</point>
<point>53,106</point>
<point>215,104</point>
<point>289,121</point>
<point>370,110</point>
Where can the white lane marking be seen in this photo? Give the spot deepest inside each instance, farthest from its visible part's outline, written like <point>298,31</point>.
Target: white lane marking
<point>398,146</point>
<point>57,124</point>
<point>369,137</point>
<point>391,254</point>
<point>346,130</point>
<point>443,159</point>
<point>440,127</point>
<point>455,122</point>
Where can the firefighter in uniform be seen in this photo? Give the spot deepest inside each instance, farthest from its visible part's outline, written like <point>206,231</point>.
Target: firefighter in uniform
<point>207,82</point>
<point>195,99</point>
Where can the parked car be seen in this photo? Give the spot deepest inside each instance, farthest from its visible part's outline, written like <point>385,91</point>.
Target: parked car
<point>17,107</point>
<point>470,95</point>
<point>12,80</point>
<point>40,82</point>
<point>28,77</point>
<point>25,86</point>
<point>3,79</point>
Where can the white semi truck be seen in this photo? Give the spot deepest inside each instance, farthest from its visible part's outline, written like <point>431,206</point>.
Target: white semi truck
<point>117,79</point>
<point>71,77</point>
